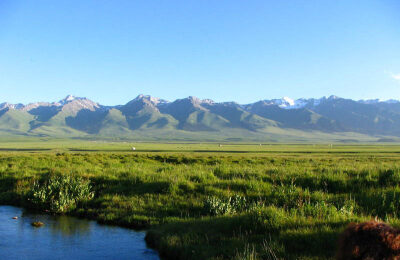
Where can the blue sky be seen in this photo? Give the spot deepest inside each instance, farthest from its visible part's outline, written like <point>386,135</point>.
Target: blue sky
<point>111,51</point>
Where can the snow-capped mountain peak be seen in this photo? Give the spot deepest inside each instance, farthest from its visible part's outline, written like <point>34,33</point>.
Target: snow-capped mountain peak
<point>68,99</point>
<point>154,100</point>
<point>10,106</point>
<point>288,101</point>
<point>378,100</point>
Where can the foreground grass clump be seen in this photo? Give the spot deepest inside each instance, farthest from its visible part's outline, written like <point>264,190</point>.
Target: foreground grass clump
<point>280,204</point>
<point>215,206</point>
<point>59,193</point>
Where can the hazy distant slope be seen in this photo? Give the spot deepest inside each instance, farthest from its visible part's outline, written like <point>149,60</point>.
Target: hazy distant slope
<point>238,117</point>
<point>192,116</point>
<point>142,112</point>
<point>114,124</point>
<point>15,121</point>
<point>359,117</point>
<point>302,118</point>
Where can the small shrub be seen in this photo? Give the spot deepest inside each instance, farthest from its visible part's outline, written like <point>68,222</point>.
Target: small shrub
<point>60,193</point>
<point>216,206</point>
<point>238,203</point>
<point>348,208</point>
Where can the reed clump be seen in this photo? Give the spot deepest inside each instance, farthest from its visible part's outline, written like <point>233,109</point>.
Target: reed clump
<point>59,193</point>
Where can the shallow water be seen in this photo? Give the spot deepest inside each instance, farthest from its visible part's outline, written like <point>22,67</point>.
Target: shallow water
<point>64,237</point>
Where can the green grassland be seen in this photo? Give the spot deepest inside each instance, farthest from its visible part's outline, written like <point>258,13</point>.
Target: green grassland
<point>217,201</point>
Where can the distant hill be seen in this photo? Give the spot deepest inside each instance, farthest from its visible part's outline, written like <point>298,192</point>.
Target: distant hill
<point>149,118</point>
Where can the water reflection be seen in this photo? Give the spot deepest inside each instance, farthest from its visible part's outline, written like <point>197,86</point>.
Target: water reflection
<point>64,237</point>
<point>60,225</point>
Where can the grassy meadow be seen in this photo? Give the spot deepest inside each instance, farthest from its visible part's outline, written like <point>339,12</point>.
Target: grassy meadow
<point>210,200</point>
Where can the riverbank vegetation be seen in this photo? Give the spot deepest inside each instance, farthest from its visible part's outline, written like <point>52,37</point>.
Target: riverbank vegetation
<point>254,203</point>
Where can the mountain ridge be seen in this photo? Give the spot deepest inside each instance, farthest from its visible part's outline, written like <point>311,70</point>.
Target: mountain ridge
<point>200,119</point>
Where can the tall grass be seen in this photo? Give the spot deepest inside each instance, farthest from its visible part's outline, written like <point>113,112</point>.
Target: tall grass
<point>219,206</point>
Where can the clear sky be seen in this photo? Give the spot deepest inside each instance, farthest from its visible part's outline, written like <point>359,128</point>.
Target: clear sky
<point>111,51</point>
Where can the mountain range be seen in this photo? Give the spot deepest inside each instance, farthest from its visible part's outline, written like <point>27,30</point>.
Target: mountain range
<point>149,118</point>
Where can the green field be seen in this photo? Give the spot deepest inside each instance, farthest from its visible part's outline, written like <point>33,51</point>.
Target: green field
<point>211,200</point>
